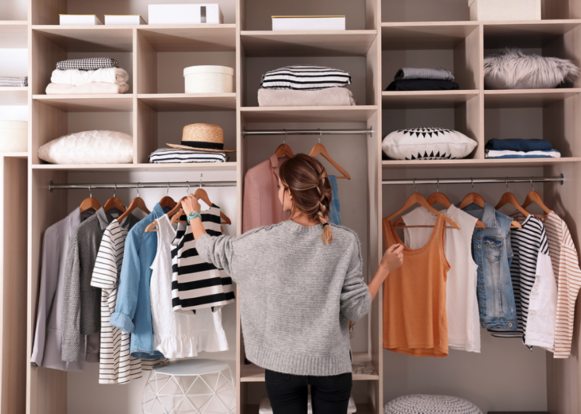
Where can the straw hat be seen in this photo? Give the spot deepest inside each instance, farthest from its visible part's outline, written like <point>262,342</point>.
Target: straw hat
<point>204,137</point>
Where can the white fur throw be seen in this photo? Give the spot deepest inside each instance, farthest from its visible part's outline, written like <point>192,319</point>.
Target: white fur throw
<point>512,69</point>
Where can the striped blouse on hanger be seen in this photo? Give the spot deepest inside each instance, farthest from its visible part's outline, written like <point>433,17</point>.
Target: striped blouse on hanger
<point>197,284</point>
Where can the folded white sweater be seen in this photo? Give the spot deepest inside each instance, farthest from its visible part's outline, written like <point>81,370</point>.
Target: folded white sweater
<point>81,77</point>
<point>95,88</point>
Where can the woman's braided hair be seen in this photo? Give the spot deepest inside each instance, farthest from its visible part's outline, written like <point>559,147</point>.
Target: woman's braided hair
<point>309,185</point>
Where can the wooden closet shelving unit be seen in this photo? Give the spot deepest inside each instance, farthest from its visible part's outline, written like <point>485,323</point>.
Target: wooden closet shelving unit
<point>378,46</point>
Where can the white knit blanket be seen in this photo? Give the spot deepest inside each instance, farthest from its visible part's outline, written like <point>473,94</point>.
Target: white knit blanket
<point>81,77</point>
<point>87,88</point>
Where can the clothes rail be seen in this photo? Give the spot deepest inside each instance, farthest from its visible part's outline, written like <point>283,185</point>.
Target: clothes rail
<point>174,184</point>
<point>508,180</point>
<point>308,132</point>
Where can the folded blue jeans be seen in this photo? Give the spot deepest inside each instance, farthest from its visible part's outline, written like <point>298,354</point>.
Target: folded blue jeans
<point>519,144</point>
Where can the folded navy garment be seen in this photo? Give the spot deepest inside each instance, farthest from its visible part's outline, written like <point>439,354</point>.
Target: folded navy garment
<point>519,144</point>
<point>422,85</point>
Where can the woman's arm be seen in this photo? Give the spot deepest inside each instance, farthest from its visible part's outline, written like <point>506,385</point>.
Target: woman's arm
<point>392,259</point>
<point>191,204</point>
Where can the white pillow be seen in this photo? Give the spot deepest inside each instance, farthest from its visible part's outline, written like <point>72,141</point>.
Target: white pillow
<point>89,147</point>
<point>427,144</point>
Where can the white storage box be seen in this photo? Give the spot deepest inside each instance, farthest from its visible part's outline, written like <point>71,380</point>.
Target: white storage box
<point>209,79</point>
<point>13,136</point>
<point>486,10</point>
<point>133,19</point>
<point>308,23</point>
<point>79,19</point>
<point>185,14</point>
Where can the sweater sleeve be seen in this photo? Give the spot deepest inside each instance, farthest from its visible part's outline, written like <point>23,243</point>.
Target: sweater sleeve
<point>71,311</point>
<point>219,251</point>
<point>355,296</point>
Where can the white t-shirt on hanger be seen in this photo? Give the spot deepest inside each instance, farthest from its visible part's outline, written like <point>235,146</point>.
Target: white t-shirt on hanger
<point>461,301</point>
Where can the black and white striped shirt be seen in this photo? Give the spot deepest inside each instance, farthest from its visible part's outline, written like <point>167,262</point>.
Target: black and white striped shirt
<point>197,284</point>
<point>305,77</point>
<point>176,156</point>
<point>527,243</point>
<point>116,365</point>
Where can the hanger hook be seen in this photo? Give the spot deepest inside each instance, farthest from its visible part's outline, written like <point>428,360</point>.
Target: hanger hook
<point>532,186</point>
<point>506,183</point>
<point>284,139</point>
<point>320,134</point>
<point>472,181</point>
<point>115,190</point>
<point>167,191</point>
<point>188,189</point>
<point>138,189</point>
<point>438,185</point>
<point>415,188</point>
<point>201,175</point>
<point>90,191</point>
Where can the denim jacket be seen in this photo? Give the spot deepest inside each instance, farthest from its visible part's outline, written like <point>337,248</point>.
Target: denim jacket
<point>492,253</point>
<point>133,307</point>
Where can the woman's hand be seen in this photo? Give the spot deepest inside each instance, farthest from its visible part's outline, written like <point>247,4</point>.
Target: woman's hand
<point>392,258</point>
<point>191,204</point>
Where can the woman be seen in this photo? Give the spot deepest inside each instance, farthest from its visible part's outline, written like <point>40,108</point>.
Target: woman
<point>300,284</point>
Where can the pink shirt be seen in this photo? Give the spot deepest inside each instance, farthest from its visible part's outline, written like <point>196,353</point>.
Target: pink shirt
<point>261,204</point>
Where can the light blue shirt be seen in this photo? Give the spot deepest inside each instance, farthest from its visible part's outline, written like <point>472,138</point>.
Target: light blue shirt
<point>133,307</point>
<point>335,207</point>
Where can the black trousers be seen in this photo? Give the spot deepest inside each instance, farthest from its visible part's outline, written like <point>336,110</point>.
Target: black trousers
<point>288,393</point>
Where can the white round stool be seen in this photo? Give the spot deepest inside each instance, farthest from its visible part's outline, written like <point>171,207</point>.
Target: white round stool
<point>191,386</point>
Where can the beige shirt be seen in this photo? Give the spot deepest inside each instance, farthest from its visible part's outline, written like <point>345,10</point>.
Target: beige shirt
<point>261,204</point>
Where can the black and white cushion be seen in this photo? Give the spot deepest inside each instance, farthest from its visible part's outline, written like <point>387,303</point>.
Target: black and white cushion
<point>427,144</point>
<point>427,404</point>
<point>304,77</point>
<point>87,64</point>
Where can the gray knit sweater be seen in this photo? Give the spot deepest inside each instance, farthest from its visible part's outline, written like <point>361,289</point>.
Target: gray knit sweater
<point>296,294</point>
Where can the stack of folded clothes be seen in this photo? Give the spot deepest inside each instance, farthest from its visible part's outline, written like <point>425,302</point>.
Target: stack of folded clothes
<point>175,156</point>
<point>520,148</point>
<point>305,85</point>
<point>91,75</point>
<point>11,81</point>
<point>423,79</point>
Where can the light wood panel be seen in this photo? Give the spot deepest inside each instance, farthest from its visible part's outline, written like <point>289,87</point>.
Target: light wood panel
<point>13,95</point>
<point>145,65</point>
<point>358,113</point>
<point>218,166</point>
<point>426,99</point>
<point>307,43</point>
<point>190,38</point>
<point>88,103</point>
<point>176,102</point>
<point>525,34</point>
<point>526,98</point>
<point>89,38</point>
<point>146,141</point>
<point>13,34</point>
<point>48,123</point>
<point>46,11</point>
<point>479,163</point>
<point>13,285</point>
<point>468,61</point>
<point>424,36</point>
<point>43,56</point>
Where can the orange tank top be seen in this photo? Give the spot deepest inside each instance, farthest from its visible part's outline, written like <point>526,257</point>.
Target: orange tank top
<point>415,321</point>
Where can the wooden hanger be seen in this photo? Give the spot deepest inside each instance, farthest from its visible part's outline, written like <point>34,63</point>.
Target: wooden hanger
<point>284,149</point>
<point>534,197</point>
<point>470,199</point>
<point>319,149</point>
<point>201,194</point>
<point>114,202</point>
<point>167,201</point>
<point>90,203</point>
<point>417,198</point>
<point>441,199</point>
<point>136,203</point>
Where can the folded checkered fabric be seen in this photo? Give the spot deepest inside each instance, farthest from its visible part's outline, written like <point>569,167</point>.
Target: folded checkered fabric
<point>87,64</point>
<point>304,78</point>
<point>175,156</point>
<point>13,81</point>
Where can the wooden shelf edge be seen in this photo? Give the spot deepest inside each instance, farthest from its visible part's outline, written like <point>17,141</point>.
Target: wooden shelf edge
<point>13,22</point>
<point>506,162</point>
<point>479,22</point>
<point>145,27</point>
<point>14,154</point>
<point>99,96</point>
<point>309,32</point>
<point>186,95</point>
<point>218,166</point>
<point>308,108</point>
<point>554,91</point>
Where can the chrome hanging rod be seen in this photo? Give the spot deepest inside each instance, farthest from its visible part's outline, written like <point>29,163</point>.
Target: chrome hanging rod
<point>508,180</point>
<point>308,132</point>
<point>174,184</point>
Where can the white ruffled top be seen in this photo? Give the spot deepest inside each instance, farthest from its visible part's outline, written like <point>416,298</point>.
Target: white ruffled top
<point>178,335</point>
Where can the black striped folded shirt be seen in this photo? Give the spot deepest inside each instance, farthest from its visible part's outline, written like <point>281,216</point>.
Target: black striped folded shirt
<point>13,81</point>
<point>303,77</point>
<point>87,64</point>
<point>173,156</point>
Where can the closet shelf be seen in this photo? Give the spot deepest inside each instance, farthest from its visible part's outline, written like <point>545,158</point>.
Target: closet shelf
<point>359,113</point>
<point>526,34</point>
<point>89,102</point>
<point>89,38</point>
<point>13,34</point>
<point>201,167</point>
<point>267,43</point>
<point>526,98</point>
<point>361,409</point>
<point>175,102</point>
<point>13,95</point>
<point>190,38</point>
<point>480,163</point>
<point>424,36</point>
<point>14,154</point>
<point>425,99</point>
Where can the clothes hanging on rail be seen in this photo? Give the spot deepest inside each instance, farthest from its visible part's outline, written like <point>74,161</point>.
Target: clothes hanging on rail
<point>261,204</point>
<point>414,306</point>
<point>82,302</point>
<point>47,347</point>
<point>197,284</point>
<point>178,335</point>
<point>335,207</point>
<point>461,300</point>
<point>133,308</point>
<point>116,365</point>
<point>492,252</point>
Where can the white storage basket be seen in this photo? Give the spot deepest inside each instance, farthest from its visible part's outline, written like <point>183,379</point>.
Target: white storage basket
<point>487,10</point>
<point>13,136</point>
<point>209,79</point>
